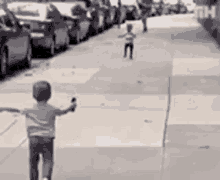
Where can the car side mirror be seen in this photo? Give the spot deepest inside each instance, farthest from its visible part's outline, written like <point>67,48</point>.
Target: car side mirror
<point>26,26</point>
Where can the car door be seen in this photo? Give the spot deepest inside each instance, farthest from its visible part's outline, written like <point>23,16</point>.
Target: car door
<point>17,42</point>
<point>24,36</point>
<point>84,25</point>
<point>60,25</point>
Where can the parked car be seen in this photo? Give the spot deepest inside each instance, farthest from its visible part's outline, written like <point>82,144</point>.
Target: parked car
<point>156,9</point>
<point>16,46</point>
<point>178,9</point>
<point>48,29</point>
<point>190,7</point>
<point>166,9</point>
<point>132,12</point>
<point>77,18</point>
<point>123,11</point>
<point>123,14</point>
<point>99,14</point>
<point>113,13</point>
<point>183,8</point>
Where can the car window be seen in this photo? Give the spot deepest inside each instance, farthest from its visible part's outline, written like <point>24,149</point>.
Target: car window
<point>9,22</point>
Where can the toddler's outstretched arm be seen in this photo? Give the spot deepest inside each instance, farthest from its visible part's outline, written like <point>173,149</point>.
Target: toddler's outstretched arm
<point>121,36</point>
<point>13,110</point>
<point>65,111</point>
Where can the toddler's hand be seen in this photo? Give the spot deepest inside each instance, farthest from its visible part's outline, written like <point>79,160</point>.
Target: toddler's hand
<point>73,106</point>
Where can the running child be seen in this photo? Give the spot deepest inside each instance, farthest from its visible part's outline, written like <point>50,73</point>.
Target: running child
<point>129,40</point>
<point>40,124</point>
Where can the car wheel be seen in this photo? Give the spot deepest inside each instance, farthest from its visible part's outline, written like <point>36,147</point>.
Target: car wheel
<point>52,48</point>
<point>28,58</point>
<point>4,65</point>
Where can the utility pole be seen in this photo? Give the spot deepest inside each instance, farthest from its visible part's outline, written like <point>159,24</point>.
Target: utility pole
<point>178,6</point>
<point>161,7</point>
<point>119,14</point>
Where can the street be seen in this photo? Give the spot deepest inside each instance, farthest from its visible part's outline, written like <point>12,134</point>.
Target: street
<point>117,129</point>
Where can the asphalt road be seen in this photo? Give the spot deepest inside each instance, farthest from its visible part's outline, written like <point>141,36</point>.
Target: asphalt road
<point>116,132</point>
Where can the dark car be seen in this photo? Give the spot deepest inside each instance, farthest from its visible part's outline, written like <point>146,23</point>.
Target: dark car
<point>113,13</point>
<point>166,9</point>
<point>48,29</point>
<point>122,12</point>
<point>15,45</point>
<point>99,14</point>
<point>132,13</point>
<point>157,9</point>
<point>107,13</point>
<point>77,18</point>
<point>178,9</point>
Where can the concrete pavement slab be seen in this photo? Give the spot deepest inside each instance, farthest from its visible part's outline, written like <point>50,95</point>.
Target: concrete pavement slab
<point>104,128</point>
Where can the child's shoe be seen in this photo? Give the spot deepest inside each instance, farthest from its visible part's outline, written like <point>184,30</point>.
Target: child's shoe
<point>145,30</point>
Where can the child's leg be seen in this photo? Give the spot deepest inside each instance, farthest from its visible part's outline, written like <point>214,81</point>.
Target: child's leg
<point>48,158</point>
<point>131,50</point>
<point>34,151</point>
<point>125,51</point>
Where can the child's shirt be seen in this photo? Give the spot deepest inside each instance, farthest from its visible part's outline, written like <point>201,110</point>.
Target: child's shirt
<point>40,120</point>
<point>129,37</point>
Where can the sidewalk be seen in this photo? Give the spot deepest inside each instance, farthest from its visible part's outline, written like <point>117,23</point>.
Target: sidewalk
<point>193,134</point>
<point>107,90</point>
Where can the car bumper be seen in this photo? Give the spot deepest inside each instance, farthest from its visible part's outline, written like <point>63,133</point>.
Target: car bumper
<point>40,40</point>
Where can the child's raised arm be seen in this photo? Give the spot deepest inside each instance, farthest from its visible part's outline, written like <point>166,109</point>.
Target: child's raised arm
<point>121,36</point>
<point>13,110</point>
<point>71,108</point>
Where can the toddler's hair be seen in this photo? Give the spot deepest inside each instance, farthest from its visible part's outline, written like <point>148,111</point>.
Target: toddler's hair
<point>42,91</point>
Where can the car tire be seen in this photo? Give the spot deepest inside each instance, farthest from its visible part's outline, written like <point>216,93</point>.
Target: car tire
<point>4,63</point>
<point>52,48</point>
<point>28,59</point>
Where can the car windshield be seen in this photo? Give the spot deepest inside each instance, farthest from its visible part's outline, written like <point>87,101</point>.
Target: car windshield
<point>71,8</point>
<point>27,9</point>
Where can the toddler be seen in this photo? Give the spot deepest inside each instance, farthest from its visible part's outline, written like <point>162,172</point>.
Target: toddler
<point>129,37</point>
<point>40,124</point>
